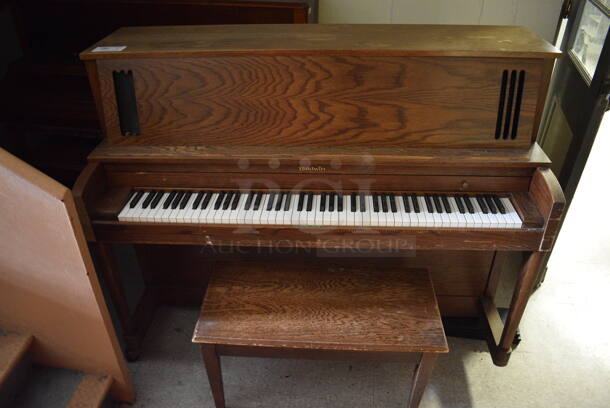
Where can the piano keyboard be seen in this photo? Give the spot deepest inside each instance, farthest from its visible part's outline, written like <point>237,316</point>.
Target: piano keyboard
<point>321,209</point>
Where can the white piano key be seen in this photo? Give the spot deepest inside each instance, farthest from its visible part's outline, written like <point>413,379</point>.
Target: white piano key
<point>138,214</point>
<point>303,214</point>
<point>233,213</point>
<point>207,215</point>
<point>358,216</point>
<point>189,214</point>
<point>516,221</point>
<point>287,215</point>
<point>259,215</point>
<point>454,220</point>
<point>372,217</point>
<point>155,216</point>
<point>476,216</point>
<point>335,215</point>
<point>460,219</point>
<point>436,216</point>
<point>311,215</point>
<point>319,221</point>
<point>391,222</point>
<point>241,208</point>
<point>279,213</point>
<point>445,220</point>
<point>485,221</point>
<point>248,214</point>
<point>326,214</point>
<point>402,217</point>
<point>343,215</point>
<point>123,215</point>
<point>181,217</point>
<point>266,213</point>
<point>428,218</point>
<point>366,215</point>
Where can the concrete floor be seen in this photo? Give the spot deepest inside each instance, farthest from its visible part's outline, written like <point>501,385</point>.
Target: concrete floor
<point>563,360</point>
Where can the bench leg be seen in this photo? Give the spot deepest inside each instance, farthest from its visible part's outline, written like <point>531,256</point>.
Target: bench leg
<point>211,360</point>
<point>421,377</point>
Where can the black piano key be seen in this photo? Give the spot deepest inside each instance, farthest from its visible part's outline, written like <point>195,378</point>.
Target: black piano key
<point>270,201</point>
<point>309,202</point>
<point>280,200</point>
<point>490,204</point>
<point>185,199</point>
<point>392,199</point>
<point>362,203</point>
<point>168,200</point>
<point>353,202</point>
<point>301,201</point>
<point>437,204</point>
<point>405,202</point>
<point>499,204</point>
<point>235,202</point>
<point>446,205</point>
<point>219,200</point>
<point>249,201</point>
<point>375,202</point>
<point>384,202</point>
<point>287,202</point>
<point>137,196</point>
<point>206,200</point>
<point>155,202</point>
<point>148,199</point>
<point>482,204</point>
<point>227,200</point>
<point>257,201</point>
<point>468,203</point>
<point>415,203</point>
<point>429,205</point>
<point>460,204</point>
<point>323,202</point>
<point>177,199</point>
<point>331,201</point>
<point>198,200</point>
<point>340,203</point>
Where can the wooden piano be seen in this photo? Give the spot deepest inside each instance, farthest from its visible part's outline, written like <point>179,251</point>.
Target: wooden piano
<point>393,144</point>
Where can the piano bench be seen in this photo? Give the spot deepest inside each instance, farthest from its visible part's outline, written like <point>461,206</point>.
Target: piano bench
<point>314,310</point>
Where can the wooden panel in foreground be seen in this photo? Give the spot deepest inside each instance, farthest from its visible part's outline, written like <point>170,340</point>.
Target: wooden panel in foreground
<point>48,285</point>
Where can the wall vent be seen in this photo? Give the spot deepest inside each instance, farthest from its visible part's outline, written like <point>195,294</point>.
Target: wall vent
<point>509,106</point>
<point>126,103</point>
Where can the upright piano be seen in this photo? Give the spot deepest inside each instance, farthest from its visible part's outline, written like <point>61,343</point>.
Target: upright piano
<point>391,144</point>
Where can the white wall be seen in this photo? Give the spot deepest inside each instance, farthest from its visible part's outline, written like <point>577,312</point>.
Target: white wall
<point>539,15</point>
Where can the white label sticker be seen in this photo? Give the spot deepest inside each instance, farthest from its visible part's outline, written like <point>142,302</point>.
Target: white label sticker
<point>109,49</point>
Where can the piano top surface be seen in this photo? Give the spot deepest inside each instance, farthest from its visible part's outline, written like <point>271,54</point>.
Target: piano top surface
<point>372,39</point>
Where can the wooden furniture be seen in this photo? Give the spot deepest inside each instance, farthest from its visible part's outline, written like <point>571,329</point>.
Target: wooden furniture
<point>313,310</point>
<point>48,285</point>
<point>430,111</point>
<point>46,103</point>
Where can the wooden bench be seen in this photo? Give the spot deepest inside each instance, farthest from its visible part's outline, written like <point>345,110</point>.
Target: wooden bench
<point>317,310</point>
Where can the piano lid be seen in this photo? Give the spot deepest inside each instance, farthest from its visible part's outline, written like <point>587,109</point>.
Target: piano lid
<point>374,39</point>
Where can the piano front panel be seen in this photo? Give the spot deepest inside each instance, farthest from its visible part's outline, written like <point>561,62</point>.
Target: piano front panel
<point>342,100</point>
<point>314,182</point>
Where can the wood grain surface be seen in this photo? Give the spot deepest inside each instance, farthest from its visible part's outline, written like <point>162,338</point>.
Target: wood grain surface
<point>363,158</point>
<point>436,40</point>
<point>319,100</point>
<point>308,305</point>
<point>49,287</point>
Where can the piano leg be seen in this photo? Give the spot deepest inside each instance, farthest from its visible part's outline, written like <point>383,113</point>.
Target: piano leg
<point>501,335</point>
